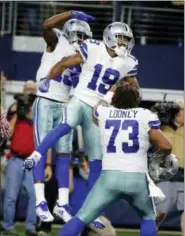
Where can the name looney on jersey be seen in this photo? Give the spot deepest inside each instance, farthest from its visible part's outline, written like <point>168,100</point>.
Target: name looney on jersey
<point>122,114</point>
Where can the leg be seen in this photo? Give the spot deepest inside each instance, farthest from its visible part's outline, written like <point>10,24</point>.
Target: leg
<point>50,187</point>
<point>14,176</point>
<point>63,150</point>
<point>136,188</point>
<point>72,115</point>
<point>91,135</point>
<point>42,124</point>
<point>68,122</point>
<point>31,218</point>
<point>98,199</point>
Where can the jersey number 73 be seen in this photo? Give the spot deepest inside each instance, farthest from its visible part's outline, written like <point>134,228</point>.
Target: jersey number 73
<point>119,126</point>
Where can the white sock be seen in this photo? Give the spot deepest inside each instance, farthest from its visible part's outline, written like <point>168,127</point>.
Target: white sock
<point>39,192</point>
<point>63,196</point>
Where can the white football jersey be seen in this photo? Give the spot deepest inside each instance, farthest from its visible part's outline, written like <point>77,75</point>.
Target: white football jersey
<point>100,71</point>
<point>125,138</point>
<point>59,87</point>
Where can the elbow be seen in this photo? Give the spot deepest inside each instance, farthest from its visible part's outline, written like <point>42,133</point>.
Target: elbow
<point>56,70</point>
<point>44,25</point>
<point>166,148</point>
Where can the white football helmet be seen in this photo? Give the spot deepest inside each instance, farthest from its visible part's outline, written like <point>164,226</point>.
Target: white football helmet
<point>118,37</point>
<point>76,31</point>
<point>161,167</point>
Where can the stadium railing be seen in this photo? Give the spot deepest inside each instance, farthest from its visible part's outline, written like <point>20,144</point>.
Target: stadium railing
<point>29,16</point>
<point>6,14</point>
<point>149,24</point>
<point>154,25</point>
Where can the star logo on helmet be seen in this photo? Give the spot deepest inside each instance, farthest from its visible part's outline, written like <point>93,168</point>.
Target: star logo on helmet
<point>72,22</point>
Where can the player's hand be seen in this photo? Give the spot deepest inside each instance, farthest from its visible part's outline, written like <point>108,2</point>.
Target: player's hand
<point>45,84</point>
<point>48,173</point>
<point>81,16</point>
<point>31,161</point>
<point>28,164</point>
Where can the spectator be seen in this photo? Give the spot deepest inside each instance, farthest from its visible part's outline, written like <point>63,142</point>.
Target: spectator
<point>79,188</point>
<point>5,129</point>
<point>5,133</point>
<point>3,89</point>
<point>21,147</point>
<point>174,189</point>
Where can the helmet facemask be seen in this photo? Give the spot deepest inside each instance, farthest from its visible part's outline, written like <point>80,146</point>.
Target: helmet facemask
<point>122,43</point>
<point>77,38</point>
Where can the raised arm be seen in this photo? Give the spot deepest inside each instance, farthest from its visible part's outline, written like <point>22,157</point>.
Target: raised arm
<point>55,21</point>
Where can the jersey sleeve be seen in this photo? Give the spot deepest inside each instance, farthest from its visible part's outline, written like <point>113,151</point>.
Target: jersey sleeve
<point>83,50</point>
<point>99,110</point>
<point>133,66</point>
<point>88,48</point>
<point>153,121</point>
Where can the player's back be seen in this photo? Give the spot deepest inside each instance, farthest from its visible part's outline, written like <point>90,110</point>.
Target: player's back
<point>125,138</point>
<point>60,86</point>
<point>100,71</point>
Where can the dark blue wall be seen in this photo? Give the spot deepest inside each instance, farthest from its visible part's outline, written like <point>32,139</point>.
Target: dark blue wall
<point>160,66</point>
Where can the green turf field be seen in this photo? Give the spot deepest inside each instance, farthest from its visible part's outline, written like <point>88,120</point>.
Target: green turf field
<point>125,232</point>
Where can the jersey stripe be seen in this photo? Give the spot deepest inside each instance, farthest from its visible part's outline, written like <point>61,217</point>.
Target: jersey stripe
<point>83,50</point>
<point>156,124</point>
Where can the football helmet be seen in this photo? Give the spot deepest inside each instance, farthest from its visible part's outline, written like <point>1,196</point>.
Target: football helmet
<point>162,167</point>
<point>118,37</point>
<point>76,31</point>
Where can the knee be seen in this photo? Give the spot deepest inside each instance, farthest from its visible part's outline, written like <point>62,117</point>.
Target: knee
<point>10,198</point>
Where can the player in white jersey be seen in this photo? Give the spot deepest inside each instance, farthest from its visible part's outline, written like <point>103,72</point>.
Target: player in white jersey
<point>126,131</point>
<point>52,96</point>
<point>104,64</point>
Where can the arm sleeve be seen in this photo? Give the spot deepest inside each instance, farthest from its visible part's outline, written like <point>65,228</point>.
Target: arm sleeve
<point>133,70</point>
<point>83,50</point>
<point>154,122</point>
